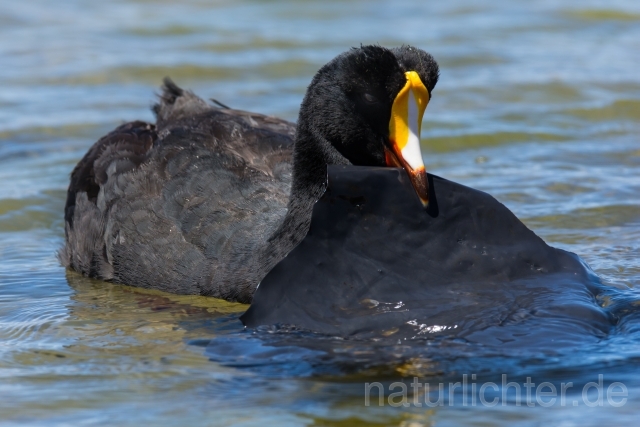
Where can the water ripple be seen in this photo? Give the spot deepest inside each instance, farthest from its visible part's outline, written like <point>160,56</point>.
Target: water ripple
<point>538,104</point>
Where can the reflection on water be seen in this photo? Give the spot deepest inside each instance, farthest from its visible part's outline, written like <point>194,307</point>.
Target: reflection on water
<point>538,104</point>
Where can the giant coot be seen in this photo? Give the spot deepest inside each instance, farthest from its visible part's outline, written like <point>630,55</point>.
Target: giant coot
<point>334,221</point>
<point>207,200</point>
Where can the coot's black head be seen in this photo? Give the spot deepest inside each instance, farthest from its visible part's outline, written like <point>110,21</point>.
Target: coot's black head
<point>368,103</point>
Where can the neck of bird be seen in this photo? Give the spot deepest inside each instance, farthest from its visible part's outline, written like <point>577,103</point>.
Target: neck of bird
<point>312,154</point>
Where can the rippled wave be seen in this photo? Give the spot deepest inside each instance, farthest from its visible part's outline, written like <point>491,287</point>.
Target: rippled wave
<point>538,104</point>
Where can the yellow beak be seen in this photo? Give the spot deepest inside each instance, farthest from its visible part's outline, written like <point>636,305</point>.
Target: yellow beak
<point>404,133</point>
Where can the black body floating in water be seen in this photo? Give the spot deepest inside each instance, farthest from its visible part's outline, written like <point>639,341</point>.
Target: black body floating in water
<point>206,200</point>
<point>375,263</point>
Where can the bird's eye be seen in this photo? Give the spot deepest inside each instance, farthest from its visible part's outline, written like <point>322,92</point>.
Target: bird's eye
<point>369,98</point>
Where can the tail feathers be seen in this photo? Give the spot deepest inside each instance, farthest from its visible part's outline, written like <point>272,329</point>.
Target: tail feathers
<point>176,103</point>
<point>170,92</point>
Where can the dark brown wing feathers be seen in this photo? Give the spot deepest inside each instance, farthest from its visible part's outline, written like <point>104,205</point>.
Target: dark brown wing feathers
<point>186,205</point>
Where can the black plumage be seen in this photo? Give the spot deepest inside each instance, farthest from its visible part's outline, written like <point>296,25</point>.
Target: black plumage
<point>211,200</point>
<point>208,199</point>
<point>376,264</point>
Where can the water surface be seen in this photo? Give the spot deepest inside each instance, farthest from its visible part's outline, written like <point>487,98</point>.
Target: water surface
<point>538,104</point>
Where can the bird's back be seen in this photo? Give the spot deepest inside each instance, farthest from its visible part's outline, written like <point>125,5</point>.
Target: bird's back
<point>185,206</point>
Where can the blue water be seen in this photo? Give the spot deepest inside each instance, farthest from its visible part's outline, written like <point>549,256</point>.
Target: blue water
<point>538,104</point>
